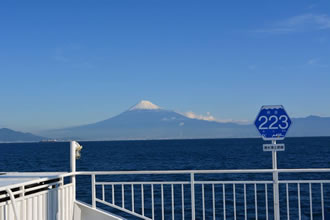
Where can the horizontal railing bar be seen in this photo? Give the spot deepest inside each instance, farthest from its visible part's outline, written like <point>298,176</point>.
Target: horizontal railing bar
<point>312,170</point>
<point>41,187</point>
<point>309,170</point>
<point>180,183</point>
<point>173,172</point>
<point>27,183</point>
<point>5,195</point>
<point>210,182</point>
<point>141,183</point>
<point>234,182</point>
<point>30,182</point>
<point>304,181</point>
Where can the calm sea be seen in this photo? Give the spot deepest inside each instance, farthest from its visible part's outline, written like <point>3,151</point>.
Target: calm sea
<point>164,155</point>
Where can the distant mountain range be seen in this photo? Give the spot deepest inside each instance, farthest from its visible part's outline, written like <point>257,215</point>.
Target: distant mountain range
<point>148,121</point>
<point>8,135</point>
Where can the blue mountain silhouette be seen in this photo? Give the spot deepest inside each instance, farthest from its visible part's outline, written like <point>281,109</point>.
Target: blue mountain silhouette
<point>147,121</point>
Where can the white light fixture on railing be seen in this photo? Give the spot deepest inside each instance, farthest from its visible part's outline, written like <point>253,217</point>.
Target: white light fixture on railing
<point>78,150</point>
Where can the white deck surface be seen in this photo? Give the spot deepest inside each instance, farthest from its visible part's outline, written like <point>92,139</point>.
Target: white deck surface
<point>13,178</point>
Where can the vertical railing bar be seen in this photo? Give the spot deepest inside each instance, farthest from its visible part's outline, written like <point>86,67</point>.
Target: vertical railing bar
<point>172,196</point>
<point>203,201</point>
<point>22,195</point>
<point>93,192</point>
<point>299,209</point>
<point>310,201</point>
<point>182,200</point>
<point>103,196</point>
<point>152,201</point>
<point>123,196</point>
<point>224,200</point>
<point>255,201</point>
<point>162,195</point>
<point>62,203</point>
<point>132,188</point>
<point>234,198</point>
<point>142,198</point>
<point>266,200</point>
<point>245,208</point>
<point>287,202</point>
<point>61,181</point>
<point>68,209</point>
<point>213,201</point>
<point>113,193</point>
<point>192,187</point>
<point>322,201</point>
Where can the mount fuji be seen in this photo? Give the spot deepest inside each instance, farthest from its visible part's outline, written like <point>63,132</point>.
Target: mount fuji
<point>146,120</point>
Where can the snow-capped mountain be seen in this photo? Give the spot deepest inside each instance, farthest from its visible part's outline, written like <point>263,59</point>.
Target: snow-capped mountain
<point>146,120</point>
<point>144,105</point>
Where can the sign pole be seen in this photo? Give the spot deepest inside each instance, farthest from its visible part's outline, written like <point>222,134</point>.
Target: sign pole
<point>275,184</point>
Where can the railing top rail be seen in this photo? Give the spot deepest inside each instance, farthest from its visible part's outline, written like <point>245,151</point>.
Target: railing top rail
<point>173,172</point>
<point>146,172</point>
<point>303,181</point>
<point>28,181</point>
<point>308,170</point>
<point>144,183</point>
<point>183,182</point>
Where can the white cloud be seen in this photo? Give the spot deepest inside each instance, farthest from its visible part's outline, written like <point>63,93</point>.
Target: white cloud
<point>316,62</point>
<point>209,117</point>
<point>312,61</point>
<point>312,20</point>
<point>59,56</point>
<point>305,22</point>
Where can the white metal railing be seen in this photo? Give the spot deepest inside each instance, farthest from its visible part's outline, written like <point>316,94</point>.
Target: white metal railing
<point>183,194</point>
<point>41,198</point>
<point>200,194</point>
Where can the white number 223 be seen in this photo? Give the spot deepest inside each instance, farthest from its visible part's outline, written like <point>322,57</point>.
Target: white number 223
<point>274,119</point>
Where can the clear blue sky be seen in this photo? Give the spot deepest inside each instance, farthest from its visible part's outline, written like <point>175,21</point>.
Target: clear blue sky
<point>66,63</point>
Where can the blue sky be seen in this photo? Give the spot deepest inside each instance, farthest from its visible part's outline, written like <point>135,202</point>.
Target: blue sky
<point>66,63</point>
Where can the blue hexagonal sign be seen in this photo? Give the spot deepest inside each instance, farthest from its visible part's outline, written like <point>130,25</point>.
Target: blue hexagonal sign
<point>273,122</point>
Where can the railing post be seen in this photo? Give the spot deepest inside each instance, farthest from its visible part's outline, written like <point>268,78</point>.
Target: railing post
<point>192,186</point>
<point>93,192</point>
<point>73,166</point>
<point>275,185</point>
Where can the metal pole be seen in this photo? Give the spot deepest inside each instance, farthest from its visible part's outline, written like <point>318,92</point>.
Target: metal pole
<point>192,183</point>
<point>73,145</point>
<point>275,185</point>
<point>94,192</point>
